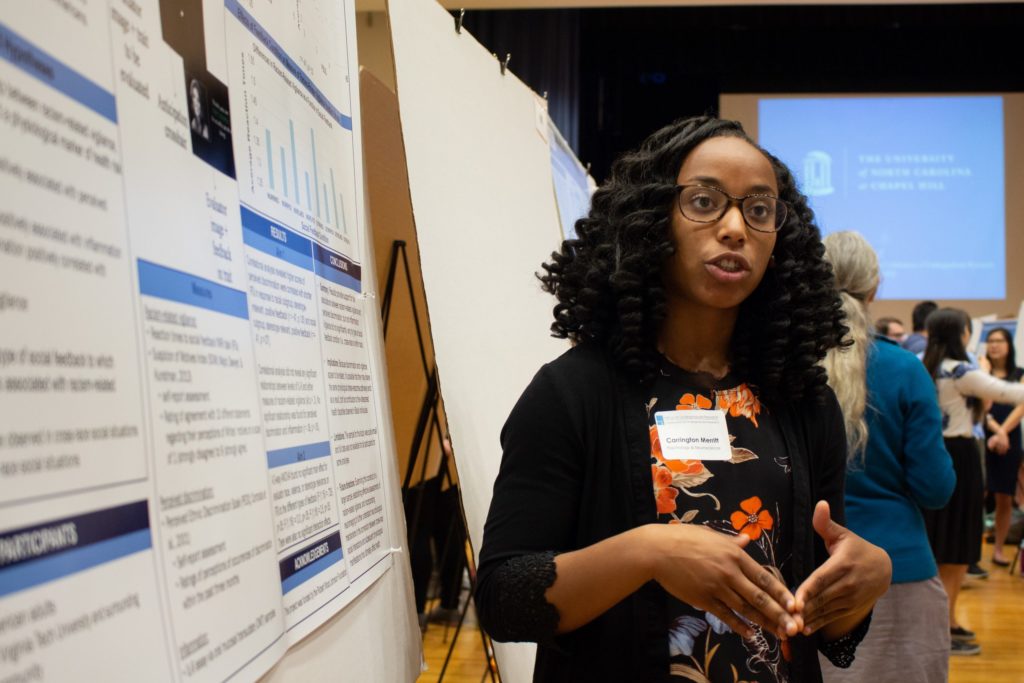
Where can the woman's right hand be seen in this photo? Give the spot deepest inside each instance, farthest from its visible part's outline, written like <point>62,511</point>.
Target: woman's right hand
<point>985,365</point>
<point>711,571</point>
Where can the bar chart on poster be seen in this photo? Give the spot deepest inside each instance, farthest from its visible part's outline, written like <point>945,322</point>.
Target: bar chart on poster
<point>296,132</point>
<point>276,168</point>
<point>192,475</point>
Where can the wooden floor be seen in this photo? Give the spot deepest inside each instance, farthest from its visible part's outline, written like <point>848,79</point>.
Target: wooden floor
<point>993,608</point>
<point>467,664</point>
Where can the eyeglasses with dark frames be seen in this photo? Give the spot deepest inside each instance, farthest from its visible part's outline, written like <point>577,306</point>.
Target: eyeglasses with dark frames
<point>707,204</point>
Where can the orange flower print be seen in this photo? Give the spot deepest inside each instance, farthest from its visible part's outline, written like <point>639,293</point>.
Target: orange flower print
<point>786,653</point>
<point>685,466</point>
<point>664,494</point>
<point>678,466</point>
<point>694,402</point>
<point>739,401</point>
<point>752,520</point>
<point>656,445</point>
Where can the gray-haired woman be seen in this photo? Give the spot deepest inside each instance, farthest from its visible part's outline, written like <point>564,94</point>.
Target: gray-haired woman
<point>897,464</point>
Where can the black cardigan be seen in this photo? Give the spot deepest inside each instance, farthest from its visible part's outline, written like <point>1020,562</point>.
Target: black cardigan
<point>576,470</point>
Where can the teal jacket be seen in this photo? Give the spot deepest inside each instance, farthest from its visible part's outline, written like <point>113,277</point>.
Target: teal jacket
<point>905,465</point>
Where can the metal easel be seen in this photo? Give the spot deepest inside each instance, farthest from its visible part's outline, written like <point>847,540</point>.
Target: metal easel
<point>428,425</point>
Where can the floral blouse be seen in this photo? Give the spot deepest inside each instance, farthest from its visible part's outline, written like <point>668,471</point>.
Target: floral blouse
<point>749,494</point>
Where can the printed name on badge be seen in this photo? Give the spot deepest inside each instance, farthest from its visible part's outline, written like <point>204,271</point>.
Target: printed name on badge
<point>693,434</point>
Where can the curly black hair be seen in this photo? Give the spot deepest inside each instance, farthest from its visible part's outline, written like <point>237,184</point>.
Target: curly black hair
<point>608,281</point>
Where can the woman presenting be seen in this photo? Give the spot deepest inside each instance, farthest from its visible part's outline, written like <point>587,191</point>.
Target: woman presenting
<point>670,500</point>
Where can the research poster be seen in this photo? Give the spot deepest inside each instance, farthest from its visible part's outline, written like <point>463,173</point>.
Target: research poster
<point>571,181</point>
<point>190,475</point>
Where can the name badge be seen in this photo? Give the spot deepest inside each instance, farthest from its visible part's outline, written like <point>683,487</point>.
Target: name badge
<point>693,434</point>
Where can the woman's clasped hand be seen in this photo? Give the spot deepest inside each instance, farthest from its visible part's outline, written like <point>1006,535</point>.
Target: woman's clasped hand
<point>733,587</point>
<point>727,583</point>
<point>848,583</point>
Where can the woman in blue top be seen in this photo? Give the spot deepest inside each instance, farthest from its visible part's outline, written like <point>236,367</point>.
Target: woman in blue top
<point>897,462</point>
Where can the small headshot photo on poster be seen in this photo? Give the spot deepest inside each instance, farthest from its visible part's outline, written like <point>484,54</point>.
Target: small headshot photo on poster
<point>209,120</point>
<point>182,26</point>
<point>198,109</point>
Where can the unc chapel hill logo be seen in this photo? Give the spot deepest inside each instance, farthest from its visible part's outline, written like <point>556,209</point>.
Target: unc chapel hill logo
<point>817,174</point>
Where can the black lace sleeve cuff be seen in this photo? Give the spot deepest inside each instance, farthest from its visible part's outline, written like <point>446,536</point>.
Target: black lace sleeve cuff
<point>842,650</point>
<point>521,612</point>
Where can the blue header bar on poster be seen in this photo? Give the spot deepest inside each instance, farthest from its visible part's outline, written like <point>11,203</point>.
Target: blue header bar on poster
<point>336,268</point>
<point>295,454</point>
<point>192,290</point>
<point>310,560</point>
<point>44,552</point>
<point>41,65</point>
<point>272,238</point>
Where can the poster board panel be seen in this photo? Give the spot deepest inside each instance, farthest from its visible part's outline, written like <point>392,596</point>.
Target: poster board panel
<point>391,211</point>
<point>481,188</point>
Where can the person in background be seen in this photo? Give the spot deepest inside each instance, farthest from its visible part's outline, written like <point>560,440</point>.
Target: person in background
<point>897,461</point>
<point>955,531</point>
<point>891,328</point>
<point>1003,438</point>
<point>975,570</point>
<point>918,338</point>
<point>696,298</point>
<point>1019,497</point>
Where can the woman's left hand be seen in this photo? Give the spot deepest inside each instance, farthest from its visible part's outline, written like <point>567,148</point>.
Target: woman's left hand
<point>849,583</point>
<point>999,443</point>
